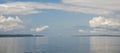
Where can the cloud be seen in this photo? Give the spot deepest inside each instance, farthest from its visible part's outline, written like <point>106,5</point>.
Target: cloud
<point>103,25</point>
<point>105,31</point>
<point>83,31</point>
<point>101,4</point>
<point>39,29</point>
<point>88,7</point>
<point>104,22</point>
<point>102,7</point>
<point>17,8</point>
<point>10,23</point>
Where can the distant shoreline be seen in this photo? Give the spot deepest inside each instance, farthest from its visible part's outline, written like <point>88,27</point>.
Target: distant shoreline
<point>20,35</point>
<point>96,35</point>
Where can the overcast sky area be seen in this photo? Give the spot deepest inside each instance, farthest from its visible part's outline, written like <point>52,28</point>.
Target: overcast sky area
<point>60,17</point>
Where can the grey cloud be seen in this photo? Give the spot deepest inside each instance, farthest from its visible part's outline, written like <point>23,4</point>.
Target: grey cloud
<point>24,8</point>
<point>103,4</point>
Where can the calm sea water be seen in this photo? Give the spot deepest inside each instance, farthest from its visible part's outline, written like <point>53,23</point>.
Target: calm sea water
<point>60,44</point>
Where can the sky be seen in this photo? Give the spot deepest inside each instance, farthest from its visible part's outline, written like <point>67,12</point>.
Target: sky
<point>60,17</point>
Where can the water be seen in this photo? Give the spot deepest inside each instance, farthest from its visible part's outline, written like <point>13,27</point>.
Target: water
<point>105,44</point>
<point>60,44</point>
<point>68,45</point>
<point>23,44</point>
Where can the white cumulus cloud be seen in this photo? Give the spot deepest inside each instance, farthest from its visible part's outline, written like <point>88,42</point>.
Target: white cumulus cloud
<point>10,23</point>
<point>39,29</point>
<point>103,25</point>
<point>104,22</point>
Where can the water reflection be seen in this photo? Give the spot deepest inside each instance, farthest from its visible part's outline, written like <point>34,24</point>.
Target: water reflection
<point>65,44</point>
<point>22,44</point>
<point>105,44</point>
